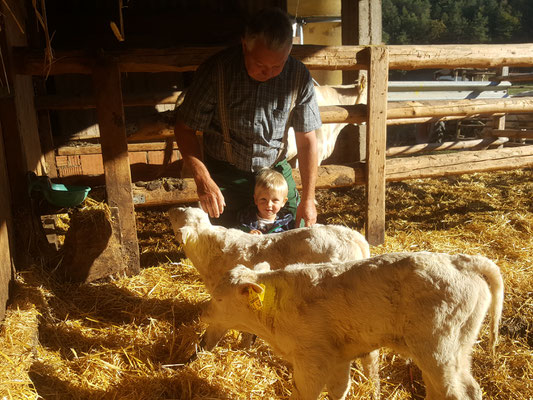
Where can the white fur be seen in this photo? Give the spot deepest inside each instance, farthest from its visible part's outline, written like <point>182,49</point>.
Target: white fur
<point>426,306</point>
<point>214,250</point>
<point>327,134</point>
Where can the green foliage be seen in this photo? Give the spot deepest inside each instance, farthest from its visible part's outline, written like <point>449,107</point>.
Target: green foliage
<point>457,21</point>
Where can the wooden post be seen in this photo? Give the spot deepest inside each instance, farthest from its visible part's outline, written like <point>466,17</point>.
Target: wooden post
<point>499,122</point>
<point>361,25</point>
<point>21,139</point>
<point>6,267</point>
<point>110,114</point>
<point>45,133</point>
<point>376,144</point>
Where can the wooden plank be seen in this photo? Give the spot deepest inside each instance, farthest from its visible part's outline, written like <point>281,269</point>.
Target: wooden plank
<point>432,166</point>
<point>96,149</point>
<point>397,169</point>
<point>110,114</point>
<point>376,144</point>
<point>70,102</point>
<point>465,108</point>
<point>417,111</point>
<point>458,145</point>
<point>400,112</point>
<point>516,77</point>
<point>409,57</point>
<point>404,57</point>
<point>512,133</point>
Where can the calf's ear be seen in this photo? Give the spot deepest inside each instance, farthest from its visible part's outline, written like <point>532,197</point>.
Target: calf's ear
<point>262,267</point>
<point>183,234</point>
<point>244,288</point>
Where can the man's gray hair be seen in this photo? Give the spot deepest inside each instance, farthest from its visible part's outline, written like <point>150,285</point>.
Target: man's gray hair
<point>273,26</point>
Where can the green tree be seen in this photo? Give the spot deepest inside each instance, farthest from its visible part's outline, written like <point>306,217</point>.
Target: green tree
<point>409,21</point>
<point>457,21</point>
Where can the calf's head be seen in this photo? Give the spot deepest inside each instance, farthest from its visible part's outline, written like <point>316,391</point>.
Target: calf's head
<point>187,220</point>
<point>234,295</point>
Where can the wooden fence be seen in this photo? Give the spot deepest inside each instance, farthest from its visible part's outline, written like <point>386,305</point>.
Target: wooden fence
<point>377,60</point>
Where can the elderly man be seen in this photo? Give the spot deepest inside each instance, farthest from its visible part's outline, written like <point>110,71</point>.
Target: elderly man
<point>244,99</point>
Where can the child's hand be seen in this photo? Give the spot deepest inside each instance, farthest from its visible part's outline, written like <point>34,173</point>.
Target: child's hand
<point>255,232</point>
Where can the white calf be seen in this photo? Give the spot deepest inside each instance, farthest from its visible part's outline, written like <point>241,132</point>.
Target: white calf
<point>214,250</point>
<point>427,306</point>
<point>327,134</point>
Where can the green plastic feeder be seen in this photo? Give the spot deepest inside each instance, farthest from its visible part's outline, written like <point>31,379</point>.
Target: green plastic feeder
<point>58,194</point>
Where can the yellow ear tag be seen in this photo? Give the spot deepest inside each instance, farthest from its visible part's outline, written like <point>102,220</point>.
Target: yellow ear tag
<point>256,299</point>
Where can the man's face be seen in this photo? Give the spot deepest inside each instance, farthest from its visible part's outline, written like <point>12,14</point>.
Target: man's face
<point>262,63</point>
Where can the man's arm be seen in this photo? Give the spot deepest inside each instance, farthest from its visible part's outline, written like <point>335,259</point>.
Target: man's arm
<point>211,198</point>
<point>308,164</point>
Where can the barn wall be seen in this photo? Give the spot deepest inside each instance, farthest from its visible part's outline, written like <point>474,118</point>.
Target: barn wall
<point>5,223</point>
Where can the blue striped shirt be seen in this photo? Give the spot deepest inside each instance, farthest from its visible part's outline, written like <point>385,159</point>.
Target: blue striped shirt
<point>257,111</point>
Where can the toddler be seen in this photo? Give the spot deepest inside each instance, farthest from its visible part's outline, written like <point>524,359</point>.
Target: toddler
<point>267,215</point>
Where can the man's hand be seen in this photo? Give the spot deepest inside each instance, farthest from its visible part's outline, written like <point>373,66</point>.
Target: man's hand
<point>211,198</point>
<point>306,211</point>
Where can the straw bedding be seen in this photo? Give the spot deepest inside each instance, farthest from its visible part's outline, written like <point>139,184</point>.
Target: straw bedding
<point>131,337</point>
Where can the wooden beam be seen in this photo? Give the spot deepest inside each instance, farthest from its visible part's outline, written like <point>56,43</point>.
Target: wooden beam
<point>457,145</point>
<point>397,169</point>
<point>421,111</point>
<point>516,77</point>
<point>422,120</point>
<point>31,62</point>
<point>408,57</point>
<point>154,128</point>
<point>97,149</point>
<point>69,102</point>
<point>432,166</point>
<point>110,115</point>
<point>465,108</point>
<point>376,143</point>
<point>512,133</point>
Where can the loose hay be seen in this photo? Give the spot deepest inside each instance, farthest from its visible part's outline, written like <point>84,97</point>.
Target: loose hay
<point>130,338</point>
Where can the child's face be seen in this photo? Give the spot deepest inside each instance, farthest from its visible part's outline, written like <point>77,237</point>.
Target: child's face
<point>268,202</point>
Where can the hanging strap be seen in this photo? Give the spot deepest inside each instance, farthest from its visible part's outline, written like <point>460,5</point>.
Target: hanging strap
<point>294,96</point>
<point>224,123</point>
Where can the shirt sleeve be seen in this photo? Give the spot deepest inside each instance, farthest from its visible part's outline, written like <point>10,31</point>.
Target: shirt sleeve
<point>306,115</point>
<point>200,101</point>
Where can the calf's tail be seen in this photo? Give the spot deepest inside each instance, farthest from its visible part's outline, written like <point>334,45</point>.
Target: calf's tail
<point>492,275</point>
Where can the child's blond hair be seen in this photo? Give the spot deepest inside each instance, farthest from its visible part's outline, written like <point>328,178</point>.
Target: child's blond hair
<point>270,179</point>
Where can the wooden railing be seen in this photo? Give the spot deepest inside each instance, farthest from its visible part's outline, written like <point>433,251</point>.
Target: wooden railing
<point>377,113</point>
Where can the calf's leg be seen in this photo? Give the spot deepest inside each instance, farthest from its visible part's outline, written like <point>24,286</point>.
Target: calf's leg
<point>370,363</point>
<point>212,336</point>
<point>309,378</point>
<point>338,382</point>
